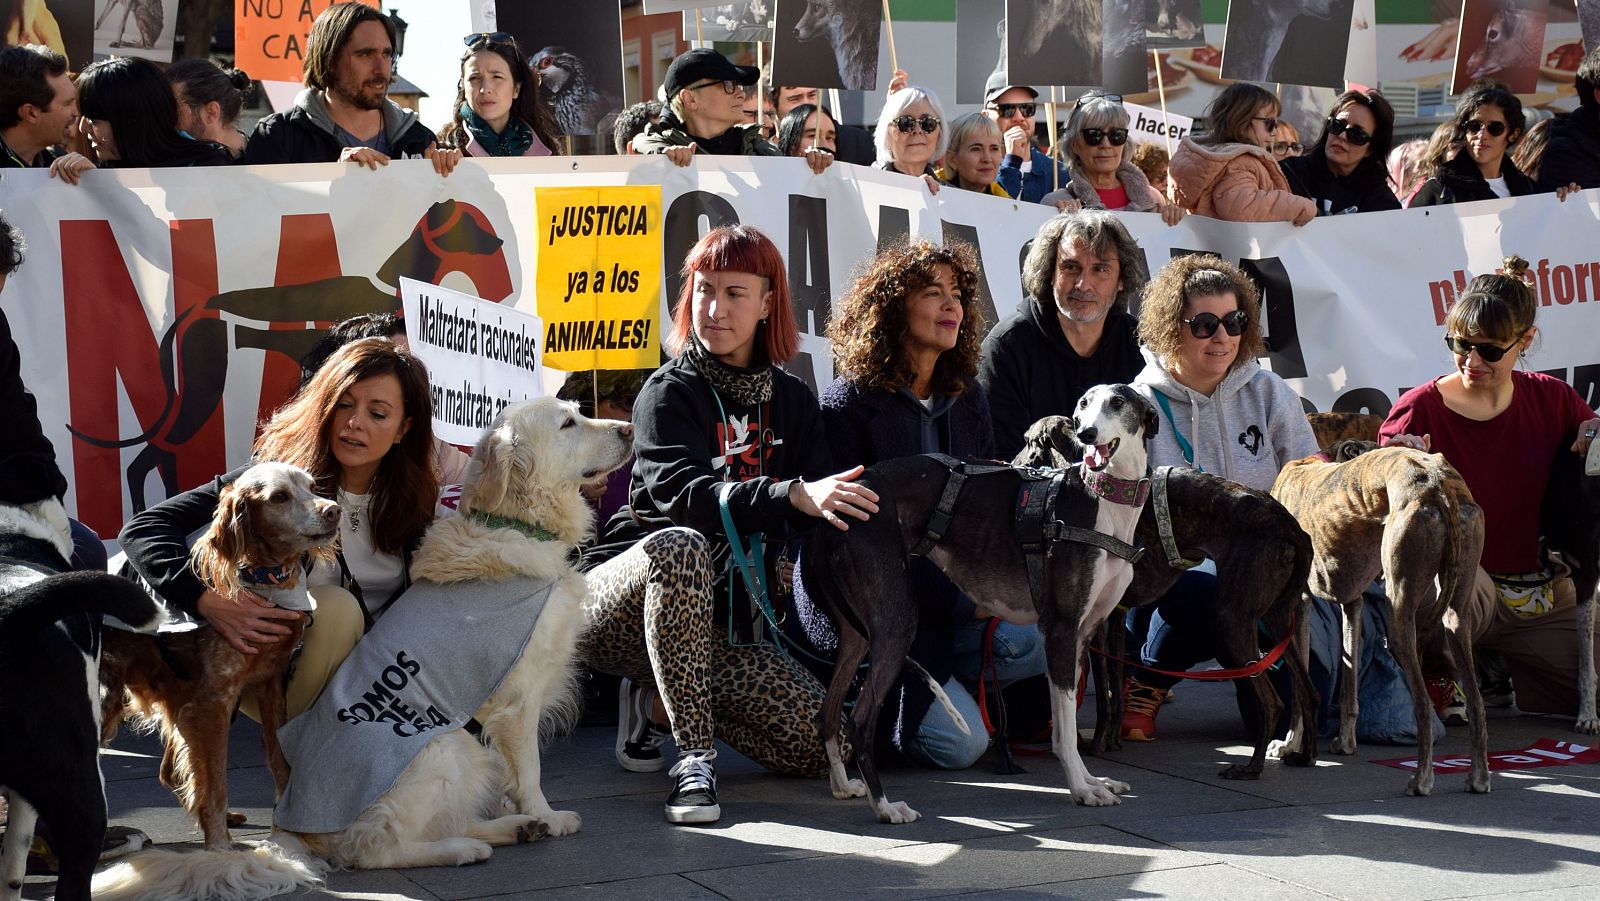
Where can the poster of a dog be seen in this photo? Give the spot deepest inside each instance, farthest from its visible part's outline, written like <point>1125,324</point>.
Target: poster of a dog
<point>576,50</point>
<point>1173,24</point>
<point>1589,16</point>
<point>1077,43</point>
<point>1502,40</point>
<point>980,46</point>
<point>827,43</point>
<point>135,28</point>
<point>1289,41</point>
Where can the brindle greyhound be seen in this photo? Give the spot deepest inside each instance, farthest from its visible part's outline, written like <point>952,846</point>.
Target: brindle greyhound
<point>1263,558</point>
<point>1409,517</point>
<point>974,528</point>
<point>1571,519</point>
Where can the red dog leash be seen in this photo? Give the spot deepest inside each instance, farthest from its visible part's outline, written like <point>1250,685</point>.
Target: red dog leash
<point>1220,675</point>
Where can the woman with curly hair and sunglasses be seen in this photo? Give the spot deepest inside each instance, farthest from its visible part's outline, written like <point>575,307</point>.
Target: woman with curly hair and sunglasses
<point>1504,429</point>
<point>1347,170</point>
<point>1100,159</point>
<point>906,340</point>
<point>498,109</point>
<point>1229,173</point>
<point>1220,413</point>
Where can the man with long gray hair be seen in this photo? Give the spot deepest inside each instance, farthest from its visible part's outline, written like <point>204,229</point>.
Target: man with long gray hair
<point>1073,330</point>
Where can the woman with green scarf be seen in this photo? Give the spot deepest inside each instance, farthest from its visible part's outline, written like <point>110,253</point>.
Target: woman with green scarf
<point>498,108</point>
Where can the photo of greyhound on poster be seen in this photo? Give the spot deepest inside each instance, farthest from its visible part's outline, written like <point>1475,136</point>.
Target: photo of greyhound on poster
<point>827,43</point>
<point>1173,24</point>
<point>980,46</point>
<point>1290,41</point>
<point>1589,16</point>
<point>135,28</point>
<point>1502,40</point>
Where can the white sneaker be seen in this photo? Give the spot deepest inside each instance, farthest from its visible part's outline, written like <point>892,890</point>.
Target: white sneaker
<point>639,739</point>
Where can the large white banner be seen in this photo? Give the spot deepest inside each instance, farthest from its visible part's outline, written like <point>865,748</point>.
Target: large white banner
<point>160,313</point>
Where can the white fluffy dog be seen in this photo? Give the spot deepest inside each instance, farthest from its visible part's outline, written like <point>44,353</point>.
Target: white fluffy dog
<point>451,804</point>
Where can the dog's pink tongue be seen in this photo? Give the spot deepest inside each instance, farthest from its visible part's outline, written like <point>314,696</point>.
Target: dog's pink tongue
<point>1094,456</point>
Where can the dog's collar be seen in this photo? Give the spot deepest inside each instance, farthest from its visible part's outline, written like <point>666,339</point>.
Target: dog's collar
<point>273,576</point>
<point>538,533</point>
<point>1129,492</point>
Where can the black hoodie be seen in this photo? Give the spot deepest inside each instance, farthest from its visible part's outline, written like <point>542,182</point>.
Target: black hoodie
<point>1029,371</point>
<point>1459,181</point>
<point>1358,192</point>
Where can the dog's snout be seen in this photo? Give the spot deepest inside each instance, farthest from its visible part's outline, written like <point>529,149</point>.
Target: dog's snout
<point>1087,435</point>
<point>331,513</point>
<point>626,431</point>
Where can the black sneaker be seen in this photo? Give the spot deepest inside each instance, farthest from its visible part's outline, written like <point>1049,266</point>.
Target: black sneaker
<point>694,798</point>
<point>639,739</point>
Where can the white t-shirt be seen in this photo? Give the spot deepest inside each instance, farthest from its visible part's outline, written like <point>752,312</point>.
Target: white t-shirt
<point>380,575</point>
<point>1498,186</point>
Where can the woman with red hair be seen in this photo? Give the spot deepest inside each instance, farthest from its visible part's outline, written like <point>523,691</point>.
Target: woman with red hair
<point>729,457</point>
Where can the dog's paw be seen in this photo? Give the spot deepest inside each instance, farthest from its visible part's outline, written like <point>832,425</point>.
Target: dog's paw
<point>532,831</point>
<point>1096,795</point>
<point>1341,745</point>
<point>464,851</point>
<point>560,822</point>
<point>895,812</point>
<point>1116,787</point>
<point>1419,786</point>
<point>1280,749</point>
<point>852,788</point>
<point>1241,771</point>
<point>1478,783</point>
<point>1589,726</point>
<point>236,819</point>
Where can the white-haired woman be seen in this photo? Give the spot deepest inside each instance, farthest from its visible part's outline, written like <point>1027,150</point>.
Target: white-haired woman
<point>1100,158</point>
<point>973,158</point>
<point>911,134</point>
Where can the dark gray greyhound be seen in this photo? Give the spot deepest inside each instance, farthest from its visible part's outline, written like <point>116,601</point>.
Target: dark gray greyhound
<point>977,540</point>
<point>1571,521</point>
<point>1263,558</point>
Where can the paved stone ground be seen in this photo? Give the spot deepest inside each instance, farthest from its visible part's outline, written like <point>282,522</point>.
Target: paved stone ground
<point>1342,830</point>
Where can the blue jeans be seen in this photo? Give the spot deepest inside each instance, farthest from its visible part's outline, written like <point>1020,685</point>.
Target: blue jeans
<point>88,552</point>
<point>1176,633</point>
<point>1018,652</point>
<point>940,743</point>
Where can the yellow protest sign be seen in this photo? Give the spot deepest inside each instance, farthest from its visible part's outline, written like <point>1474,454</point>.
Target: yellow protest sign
<point>598,282</point>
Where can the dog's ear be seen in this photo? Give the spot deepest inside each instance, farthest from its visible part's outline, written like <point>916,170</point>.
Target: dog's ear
<point>488,477</point>
<point>1152,420</point>
<point>216,556</point>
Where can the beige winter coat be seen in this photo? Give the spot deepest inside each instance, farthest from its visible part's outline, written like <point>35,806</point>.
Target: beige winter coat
<point>1235,182</point>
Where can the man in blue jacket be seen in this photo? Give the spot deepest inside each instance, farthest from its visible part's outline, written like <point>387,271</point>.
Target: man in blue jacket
<point>1026,172</point>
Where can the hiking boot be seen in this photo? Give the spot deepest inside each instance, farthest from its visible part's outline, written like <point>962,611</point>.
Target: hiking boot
<point>1448,700</point>
<point>639,739</point>
<point>694,797</point>
<point>1140,703</point>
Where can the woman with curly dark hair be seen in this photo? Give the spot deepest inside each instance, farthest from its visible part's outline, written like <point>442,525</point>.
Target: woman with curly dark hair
<point>906,340</point>
<point>498,109</point>
<point>1220,413</point>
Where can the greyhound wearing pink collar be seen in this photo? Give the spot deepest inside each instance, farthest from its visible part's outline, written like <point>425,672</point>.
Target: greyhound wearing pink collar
<point>1046,547</point>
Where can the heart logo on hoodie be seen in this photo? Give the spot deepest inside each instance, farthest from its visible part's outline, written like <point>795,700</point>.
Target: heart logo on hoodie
<point>1251,438</point>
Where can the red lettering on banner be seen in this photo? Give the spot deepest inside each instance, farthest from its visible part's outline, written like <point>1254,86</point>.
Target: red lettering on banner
<point>308,251</point>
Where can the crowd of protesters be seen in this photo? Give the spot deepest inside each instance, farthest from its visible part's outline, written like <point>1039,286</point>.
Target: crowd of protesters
<point>916,374</point>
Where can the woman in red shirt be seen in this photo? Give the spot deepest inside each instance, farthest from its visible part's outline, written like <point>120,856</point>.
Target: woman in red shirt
<point>1502,428</point>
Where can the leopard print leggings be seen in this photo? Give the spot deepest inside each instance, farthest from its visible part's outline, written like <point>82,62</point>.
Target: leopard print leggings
<point>650,619</point>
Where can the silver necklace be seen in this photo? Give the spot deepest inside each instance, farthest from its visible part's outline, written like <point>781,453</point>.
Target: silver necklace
<point>354,509</point>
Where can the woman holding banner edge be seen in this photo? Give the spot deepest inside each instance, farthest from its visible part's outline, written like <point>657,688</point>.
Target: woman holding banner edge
<point>730,458</point>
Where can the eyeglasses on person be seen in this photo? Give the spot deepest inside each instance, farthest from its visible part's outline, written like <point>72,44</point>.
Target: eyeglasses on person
<point>1288,147</point>
<point>907,124</point>
<point>728,87</point>
<point>1093,136</point>
<point>477,40</point>
<point>1473,126</point>
<point>1489,353</point>
<point>1205,325</point>
<point>1355,134</point>
<point>1007,110</point>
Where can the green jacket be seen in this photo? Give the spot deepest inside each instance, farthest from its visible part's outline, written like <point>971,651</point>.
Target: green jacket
<point>741,140</point>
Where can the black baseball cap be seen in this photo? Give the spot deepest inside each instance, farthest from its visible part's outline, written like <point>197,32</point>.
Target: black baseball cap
<point>705,64</point>
<point>996,85</point>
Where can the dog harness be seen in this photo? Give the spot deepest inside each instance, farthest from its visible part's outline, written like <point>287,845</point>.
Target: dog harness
<point>1038,527</point>
<point>1163,511</point>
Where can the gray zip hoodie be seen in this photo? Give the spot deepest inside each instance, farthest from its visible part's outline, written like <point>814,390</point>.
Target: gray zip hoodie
<point>397,120</point>
<point>1245,431</point>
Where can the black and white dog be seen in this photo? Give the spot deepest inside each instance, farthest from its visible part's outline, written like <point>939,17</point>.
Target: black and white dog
<point>977,538</point>
<point>50,693</point>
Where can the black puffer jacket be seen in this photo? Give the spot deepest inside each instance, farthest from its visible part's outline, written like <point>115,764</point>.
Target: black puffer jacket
<point>1459,181</point>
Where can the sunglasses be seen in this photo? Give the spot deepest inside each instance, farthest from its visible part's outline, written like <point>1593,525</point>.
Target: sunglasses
<point>1271,121</point>
<point>1097,95</point>
<point>728,87</point>
<point>1355,134</point>
<point>1489,353</point>
<point>484,37</point>
<point>1495,129</point>
<point>1205,325</point>
<point>1294,147</point>
<point>1007,110</point>
<point>1093,136</point>
<point>908,124</point>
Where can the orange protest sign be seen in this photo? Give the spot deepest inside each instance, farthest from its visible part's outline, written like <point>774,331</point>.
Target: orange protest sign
<point>270,35</point>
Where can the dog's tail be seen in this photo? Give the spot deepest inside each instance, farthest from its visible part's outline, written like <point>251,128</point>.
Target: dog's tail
<point>1450,556</point>
<point>24,612</point>
<point>941,697</point>
<point>261,870</point>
